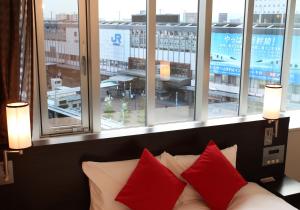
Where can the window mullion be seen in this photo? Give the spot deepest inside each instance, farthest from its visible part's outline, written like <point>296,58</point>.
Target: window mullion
<point>151,71</point>
<point>287,50</point>
<point>246,57</point>
<point>36,129</point>
<point>203,59</point>
<point>41,67</point>
<point>93,64</point>
<point>83,65</point>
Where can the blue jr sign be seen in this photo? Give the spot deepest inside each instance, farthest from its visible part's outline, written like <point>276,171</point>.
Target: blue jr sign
<point>116,40</point>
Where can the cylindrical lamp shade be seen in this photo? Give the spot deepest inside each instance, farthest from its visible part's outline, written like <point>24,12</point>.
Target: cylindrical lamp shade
<point>272,102</point>
<point>165,70</point>
<point>18,125</point>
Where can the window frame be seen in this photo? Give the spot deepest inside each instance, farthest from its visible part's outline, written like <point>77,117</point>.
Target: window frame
<point>287,51</point>
<point>205,10</point>
<point>150,59</point>
<point>246,57</point>
<point>42,76</point>
<point>90,46</point>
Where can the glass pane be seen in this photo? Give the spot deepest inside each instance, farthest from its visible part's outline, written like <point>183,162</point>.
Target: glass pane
<point>176,40</point>
<point>62,62</point>
<point>122,63</point>
<point>225,58</point>
<point>266,50</point>
<point>293,100</point>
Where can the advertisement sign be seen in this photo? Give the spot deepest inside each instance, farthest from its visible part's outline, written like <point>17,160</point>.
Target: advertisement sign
<point>266,55</point>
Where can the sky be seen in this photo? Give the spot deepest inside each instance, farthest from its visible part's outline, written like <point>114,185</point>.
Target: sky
<point>123,9</point>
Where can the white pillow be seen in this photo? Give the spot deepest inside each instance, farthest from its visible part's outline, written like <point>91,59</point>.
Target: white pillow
<point>179,163</point>
<point>106,180</point>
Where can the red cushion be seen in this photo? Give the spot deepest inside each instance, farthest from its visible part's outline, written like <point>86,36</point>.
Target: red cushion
<point>151,186</point>
<point>213,176</point>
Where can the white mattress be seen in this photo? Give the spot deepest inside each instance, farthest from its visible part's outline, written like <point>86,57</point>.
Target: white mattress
<point>250,197</point>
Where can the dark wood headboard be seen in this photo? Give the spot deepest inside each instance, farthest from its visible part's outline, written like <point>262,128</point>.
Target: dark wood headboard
<point>50,177</point>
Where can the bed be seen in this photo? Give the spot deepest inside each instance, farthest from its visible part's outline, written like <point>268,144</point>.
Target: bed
<point>106,180</point>
<point>250,197</point>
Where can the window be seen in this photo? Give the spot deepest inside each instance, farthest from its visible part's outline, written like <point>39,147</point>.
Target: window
<point>63,78</point>
<point>122,63</point>
<point>225,58</point>
<point>175,60</point>
<point>266,58</point>
<point>144,84</point>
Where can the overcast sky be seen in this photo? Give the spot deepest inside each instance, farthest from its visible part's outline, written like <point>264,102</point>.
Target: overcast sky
<point>113,9</point>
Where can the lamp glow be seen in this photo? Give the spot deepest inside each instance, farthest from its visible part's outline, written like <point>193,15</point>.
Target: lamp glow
<point>19,137</point>
<point>18,125</point>
<point>165,70</point>
<point>272,102</point>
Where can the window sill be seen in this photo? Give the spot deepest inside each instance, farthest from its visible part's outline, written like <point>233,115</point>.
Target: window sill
<point>144,130</point>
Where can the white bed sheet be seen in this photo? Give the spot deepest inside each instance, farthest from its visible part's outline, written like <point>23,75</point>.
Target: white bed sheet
<point>250,197</point>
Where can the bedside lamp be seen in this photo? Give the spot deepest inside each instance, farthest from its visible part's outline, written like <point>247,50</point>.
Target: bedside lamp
<point>19,135</point>
<point>272,101</point>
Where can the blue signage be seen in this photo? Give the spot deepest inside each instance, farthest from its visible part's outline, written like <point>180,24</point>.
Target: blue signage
<point>266,56</point>
<point>116,40</point>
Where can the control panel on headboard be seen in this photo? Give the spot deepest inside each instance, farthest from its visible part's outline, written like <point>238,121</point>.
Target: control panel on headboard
<point>274,148</point>
<point>273,155</point>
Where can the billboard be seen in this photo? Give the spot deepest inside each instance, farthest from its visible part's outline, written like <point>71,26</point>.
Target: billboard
<point>266,56</point>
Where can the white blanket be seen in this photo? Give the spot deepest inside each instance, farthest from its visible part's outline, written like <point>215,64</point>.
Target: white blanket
<point>250,197</point>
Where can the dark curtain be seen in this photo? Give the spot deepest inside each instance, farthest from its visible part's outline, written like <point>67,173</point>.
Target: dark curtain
<point>16,56</point>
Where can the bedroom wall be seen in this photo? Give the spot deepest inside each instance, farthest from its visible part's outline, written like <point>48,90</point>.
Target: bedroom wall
<point>293,154</point>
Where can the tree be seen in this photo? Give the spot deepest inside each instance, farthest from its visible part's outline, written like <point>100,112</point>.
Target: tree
<point>108,108</point>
